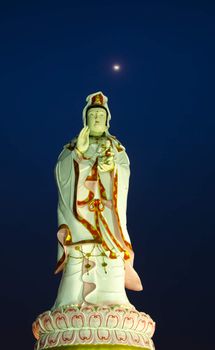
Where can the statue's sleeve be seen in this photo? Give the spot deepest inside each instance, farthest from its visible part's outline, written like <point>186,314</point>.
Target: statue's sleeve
<point>122,167</point>
<point>63,171</point>
<point>61,200</point>
<point>65,180</point>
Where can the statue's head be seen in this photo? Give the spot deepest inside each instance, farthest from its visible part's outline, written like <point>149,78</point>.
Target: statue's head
<point>96,113</point>
<point>97,120</point>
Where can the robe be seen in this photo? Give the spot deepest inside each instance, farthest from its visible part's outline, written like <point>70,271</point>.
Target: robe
<point>94,250</point>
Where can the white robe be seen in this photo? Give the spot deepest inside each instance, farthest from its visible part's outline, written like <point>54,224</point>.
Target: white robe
<point>98,284</point>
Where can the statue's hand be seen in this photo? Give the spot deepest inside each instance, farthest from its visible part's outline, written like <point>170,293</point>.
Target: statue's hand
<point>83,140</point>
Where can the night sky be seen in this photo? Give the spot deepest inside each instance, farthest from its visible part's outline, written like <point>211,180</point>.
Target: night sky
<point>53,54</point>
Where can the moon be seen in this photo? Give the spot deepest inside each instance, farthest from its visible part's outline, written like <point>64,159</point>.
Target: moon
<point>116,67</point>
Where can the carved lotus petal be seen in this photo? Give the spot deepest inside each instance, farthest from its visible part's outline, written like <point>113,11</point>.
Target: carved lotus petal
<point>35,329</point>
<point>150,329</point>
<point>95,320</point>
<point>128,322</point>
<point>104,309</point>
<point>52,339</point>
<point>120,311</point>
<point>147,342</point>
<point>68,336</point>
<point>135,315</point>
<point>121,336</point>
<point>112,321</point>
<point>103,335</point>
<point>136,338</point>
<point>42,342</point>
<point>88,309</point>
<point>77,320</point>
<point>85,335</point>
<point>70,309</point>
<point>141,325</point>
<point>61,321</point>
<point>47,323</point>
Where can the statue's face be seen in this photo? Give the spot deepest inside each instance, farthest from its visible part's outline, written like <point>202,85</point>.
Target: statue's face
<point>96,120</point>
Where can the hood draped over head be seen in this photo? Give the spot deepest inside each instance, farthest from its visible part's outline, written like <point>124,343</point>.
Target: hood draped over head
<point>97,99</point>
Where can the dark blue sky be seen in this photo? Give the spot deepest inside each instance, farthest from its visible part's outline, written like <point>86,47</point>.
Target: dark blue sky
<point>53,54</point>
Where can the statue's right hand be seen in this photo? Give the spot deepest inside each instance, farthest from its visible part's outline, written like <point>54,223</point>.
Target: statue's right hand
<point>83,140</point>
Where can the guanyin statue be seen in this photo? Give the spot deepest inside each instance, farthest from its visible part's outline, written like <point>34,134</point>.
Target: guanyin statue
<point>94,250</point>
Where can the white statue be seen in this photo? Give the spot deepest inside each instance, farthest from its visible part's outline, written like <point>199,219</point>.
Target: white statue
<point>92,310</point>
<point>95,252</point>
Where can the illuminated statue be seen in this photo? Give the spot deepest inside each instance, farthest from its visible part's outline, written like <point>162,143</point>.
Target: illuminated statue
<point>92,311</point>
<point>92,175</point>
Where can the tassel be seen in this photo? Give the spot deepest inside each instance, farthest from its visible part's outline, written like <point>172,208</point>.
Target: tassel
<point>126,255</point>
<point>68,239</point>
<point>112,255</point>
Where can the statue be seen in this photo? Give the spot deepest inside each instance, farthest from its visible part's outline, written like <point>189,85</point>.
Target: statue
<point>94,247</point>
<point>92,176</point>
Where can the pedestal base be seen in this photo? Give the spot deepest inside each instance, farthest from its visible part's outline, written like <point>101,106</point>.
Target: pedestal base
<point>99,347</point>
<point>93,328</point>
